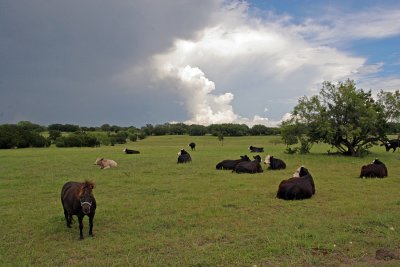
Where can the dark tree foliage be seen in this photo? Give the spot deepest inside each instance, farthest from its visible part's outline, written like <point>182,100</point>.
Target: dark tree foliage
<point>393,128</point>
<point>105,127</point>
<point>148,129</point>
<point>64,127</point>
<point>229,129</point>
<point>54,134</point>
<point>77,139</point>
<point>119,137</point>
<point>160,129</point>
<point>197,130</point>
<point>178,129</point>
<point>260,129</point>
<point>16,136</point>
<point>29,126</point>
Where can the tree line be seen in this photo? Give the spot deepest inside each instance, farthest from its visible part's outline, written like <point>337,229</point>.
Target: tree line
<point>28,134</point>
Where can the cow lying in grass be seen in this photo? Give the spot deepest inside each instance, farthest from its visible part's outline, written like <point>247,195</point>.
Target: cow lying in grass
<point>105,163</point>
<point>249,166</point>
<point>376,169</point>
<point>274,163</point>
<point>229,164</point>
<point>300,186</point>
<point>131,151</point>
<point>254,149</point>
<point>184,156</point>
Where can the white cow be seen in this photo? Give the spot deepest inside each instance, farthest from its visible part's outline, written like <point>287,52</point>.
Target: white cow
<point>105,163</point>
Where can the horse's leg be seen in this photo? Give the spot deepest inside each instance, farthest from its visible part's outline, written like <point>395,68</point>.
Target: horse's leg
<point>67,218</point>
<point>91,225</point>
<point>80,218</point>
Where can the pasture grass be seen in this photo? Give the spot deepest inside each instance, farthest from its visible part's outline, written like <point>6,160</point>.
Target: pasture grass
<point>154,212</point>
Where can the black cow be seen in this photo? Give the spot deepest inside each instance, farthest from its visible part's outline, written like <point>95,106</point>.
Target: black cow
<point>391,144</point>
<point>229,164</point>
<point>300,186</point>
<point>376,169</point>
<point>254,149</point>
<point>249,166</point>
<point>131,151</point>
<point>184,156</point>
<point>192,146</point>
<point>274,163</point>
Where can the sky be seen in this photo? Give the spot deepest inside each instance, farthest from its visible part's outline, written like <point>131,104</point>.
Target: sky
<point>138,62</point>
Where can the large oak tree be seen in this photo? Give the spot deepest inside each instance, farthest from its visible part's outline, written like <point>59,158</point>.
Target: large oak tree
<point>343,116</point>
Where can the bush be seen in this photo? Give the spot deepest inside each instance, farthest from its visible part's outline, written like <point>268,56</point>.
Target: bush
<point>15,136</point>
<point>133,137</point>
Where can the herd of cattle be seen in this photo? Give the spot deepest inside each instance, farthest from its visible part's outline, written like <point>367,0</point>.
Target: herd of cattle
<point>300,186</point>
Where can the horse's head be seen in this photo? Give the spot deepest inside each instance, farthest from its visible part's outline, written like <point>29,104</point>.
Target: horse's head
<point>85,196</point>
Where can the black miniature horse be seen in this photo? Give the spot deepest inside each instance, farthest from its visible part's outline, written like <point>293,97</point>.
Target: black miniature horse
<point>77,199</point>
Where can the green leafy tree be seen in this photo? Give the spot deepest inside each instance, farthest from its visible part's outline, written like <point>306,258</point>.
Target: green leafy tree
<point>105,127</point>
<point>197,130</point>
<point>391,103</point>
<point>296,133</point>
<point>343,116</point>
<point>54,134</point>
<point>221,138</point>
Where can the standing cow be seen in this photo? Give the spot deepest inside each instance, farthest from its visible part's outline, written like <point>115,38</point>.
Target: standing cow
<point>391,144</point>
<point>192,146</point>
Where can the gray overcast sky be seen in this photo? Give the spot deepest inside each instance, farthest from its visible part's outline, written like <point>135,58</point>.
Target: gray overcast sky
<point>141,61</point>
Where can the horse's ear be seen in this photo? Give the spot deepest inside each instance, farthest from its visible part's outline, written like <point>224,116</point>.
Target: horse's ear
<point>91,185</point>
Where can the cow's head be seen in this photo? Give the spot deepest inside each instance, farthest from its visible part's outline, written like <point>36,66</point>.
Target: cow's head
<point>245,158</point>
<point>301,171</point>
<point>257,158</point>
<point>182,152</point>
<point>98,161</point>
<point>377,161</point>
<point>268,159</point>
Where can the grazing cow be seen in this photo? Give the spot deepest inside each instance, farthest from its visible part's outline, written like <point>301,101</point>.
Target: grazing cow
<point>376,169</point>
<point>105,163</point>
<point>131,151</point>
<point>391,144</point>
<point>274,163</point>
<point>184,156</point>
<point>254,149</point>
<point>229,164</point>
<point>300,186</point>
<point>192,146</point>
<point>249,166</point>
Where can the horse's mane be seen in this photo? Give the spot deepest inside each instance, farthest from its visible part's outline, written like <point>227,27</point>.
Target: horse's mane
<point>86,186</point>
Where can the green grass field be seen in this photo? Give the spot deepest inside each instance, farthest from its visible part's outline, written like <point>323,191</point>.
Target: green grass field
<point>154,212</point>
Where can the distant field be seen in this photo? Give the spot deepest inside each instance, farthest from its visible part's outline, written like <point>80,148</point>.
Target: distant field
<point>154,212</point>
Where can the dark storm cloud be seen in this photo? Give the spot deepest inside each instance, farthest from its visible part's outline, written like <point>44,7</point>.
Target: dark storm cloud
<point>58,58</point>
